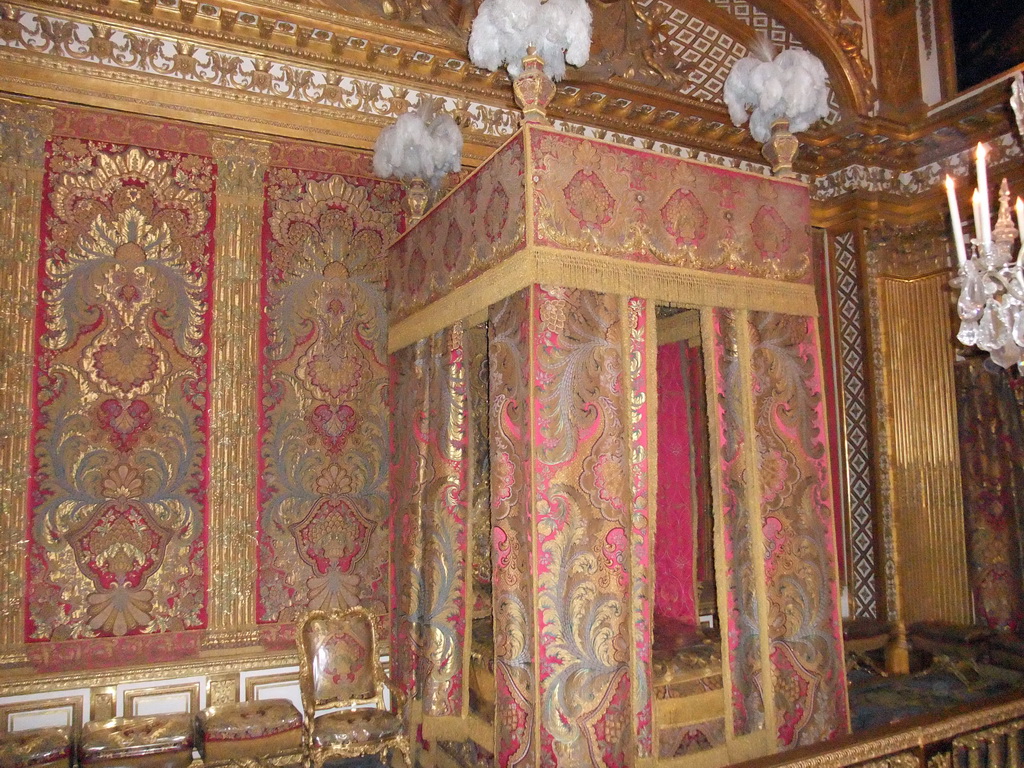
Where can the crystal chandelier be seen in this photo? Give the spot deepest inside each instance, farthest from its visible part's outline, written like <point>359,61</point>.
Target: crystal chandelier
<point>991,281</point>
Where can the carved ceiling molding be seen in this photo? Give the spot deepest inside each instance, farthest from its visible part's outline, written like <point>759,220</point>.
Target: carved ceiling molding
<point>88,57</point>
<point>328,65</point>
<point>1005,153</point>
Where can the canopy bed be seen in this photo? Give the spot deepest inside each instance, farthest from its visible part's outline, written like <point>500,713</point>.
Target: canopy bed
<point>525,462</point>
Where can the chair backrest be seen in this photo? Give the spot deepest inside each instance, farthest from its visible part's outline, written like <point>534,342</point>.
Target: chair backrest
<point>338,663</point>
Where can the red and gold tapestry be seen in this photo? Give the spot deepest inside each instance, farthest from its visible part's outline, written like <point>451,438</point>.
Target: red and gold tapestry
<point>323,498</point>
<point>117,522</point>
<point>808,671</point>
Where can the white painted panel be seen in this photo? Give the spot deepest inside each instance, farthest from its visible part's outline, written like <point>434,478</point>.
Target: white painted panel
<point>286,690</point>
<point>171,699</point>
<point>56,717</point>
<point>162,704</point>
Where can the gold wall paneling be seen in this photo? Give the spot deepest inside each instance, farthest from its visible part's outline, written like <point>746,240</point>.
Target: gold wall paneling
<point>241,166</point>
<point>923,449</point>
<point>24,130</point>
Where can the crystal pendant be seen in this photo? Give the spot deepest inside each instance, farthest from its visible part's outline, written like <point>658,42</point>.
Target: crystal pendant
<point>969,331</point>
<point>993,332</point>
<point>972,294</point>
<point>1007,355</point>
<point>1018,326</point>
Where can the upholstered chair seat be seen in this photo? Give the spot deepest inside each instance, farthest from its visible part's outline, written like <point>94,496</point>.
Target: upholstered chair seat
<point>249,730</point>
<point>158,741</point>
<point>36,748</point>
<point>361,726</point>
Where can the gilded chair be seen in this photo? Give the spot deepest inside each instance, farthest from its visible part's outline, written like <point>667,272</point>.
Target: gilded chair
<point>340,670</point>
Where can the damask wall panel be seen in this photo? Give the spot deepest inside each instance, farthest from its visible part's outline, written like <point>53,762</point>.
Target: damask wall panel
<point>323,500</point>
<point>117,519</point>
<point>515,647</point>
<point>798,529</point>
<point>582,516</point>
<point>655,209</point>
<point>739,537</point>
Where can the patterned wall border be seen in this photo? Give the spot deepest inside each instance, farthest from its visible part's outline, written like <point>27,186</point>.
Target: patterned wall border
<point>856,433</point>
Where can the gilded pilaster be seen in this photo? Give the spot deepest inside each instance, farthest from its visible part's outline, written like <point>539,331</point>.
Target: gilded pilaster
<point>241,165</point>
<point>24,131</point>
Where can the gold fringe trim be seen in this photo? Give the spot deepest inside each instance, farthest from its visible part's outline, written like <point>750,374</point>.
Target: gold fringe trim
<point>574,269</point>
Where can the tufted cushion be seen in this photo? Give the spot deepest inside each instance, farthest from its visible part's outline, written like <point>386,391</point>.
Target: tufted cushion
<point>249,729</point>
<point>36,748</point>
<point>360,726</point>
<point>159,740</point>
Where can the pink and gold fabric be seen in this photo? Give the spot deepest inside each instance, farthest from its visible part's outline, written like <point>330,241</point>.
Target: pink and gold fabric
<point>429,488</point>
<point>655,209</point>
<point>675,589</point>
<point>741,625</point>
<point>323,501</point>
<point>582,511</point>
<point>122,364</point>
<point>992,459</point>
<point>516,707</point>
<point>475,228</point>
<point>339,657</point>
<point>809,675</point>
<point>640,350</point>
<point>409,406</point>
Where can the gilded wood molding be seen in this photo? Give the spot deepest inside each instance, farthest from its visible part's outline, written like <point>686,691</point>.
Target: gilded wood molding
<point>23,134</point>
<point>241,165</point>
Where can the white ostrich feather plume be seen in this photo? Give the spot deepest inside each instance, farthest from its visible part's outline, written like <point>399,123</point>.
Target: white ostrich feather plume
<point>504,29</point>
<point>792,85</point>
<point>419,144</point>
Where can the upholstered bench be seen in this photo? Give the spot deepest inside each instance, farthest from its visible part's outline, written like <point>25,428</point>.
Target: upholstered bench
<point>249,730</point>
<point>159,741</point>
<point>36,748</point>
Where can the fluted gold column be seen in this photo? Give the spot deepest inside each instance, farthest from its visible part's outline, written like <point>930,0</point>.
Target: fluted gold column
<point>23,133</point>
<point>924,458</point>
<point>241,165</point>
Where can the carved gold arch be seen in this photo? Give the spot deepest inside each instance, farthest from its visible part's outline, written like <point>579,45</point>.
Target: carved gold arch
<point>832,30</point>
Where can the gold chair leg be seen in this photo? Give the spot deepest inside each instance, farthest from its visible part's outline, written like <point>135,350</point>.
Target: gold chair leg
<point>403,747</point>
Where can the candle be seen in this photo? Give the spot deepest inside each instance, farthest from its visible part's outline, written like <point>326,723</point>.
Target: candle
<point>1020,219</point>
<point>976,205</point>
<point>1020,229</point>
<point>985,230</point>
<point>954,215</point>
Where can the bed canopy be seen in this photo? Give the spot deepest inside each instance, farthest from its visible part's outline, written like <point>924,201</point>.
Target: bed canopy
<point>524,458</point>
